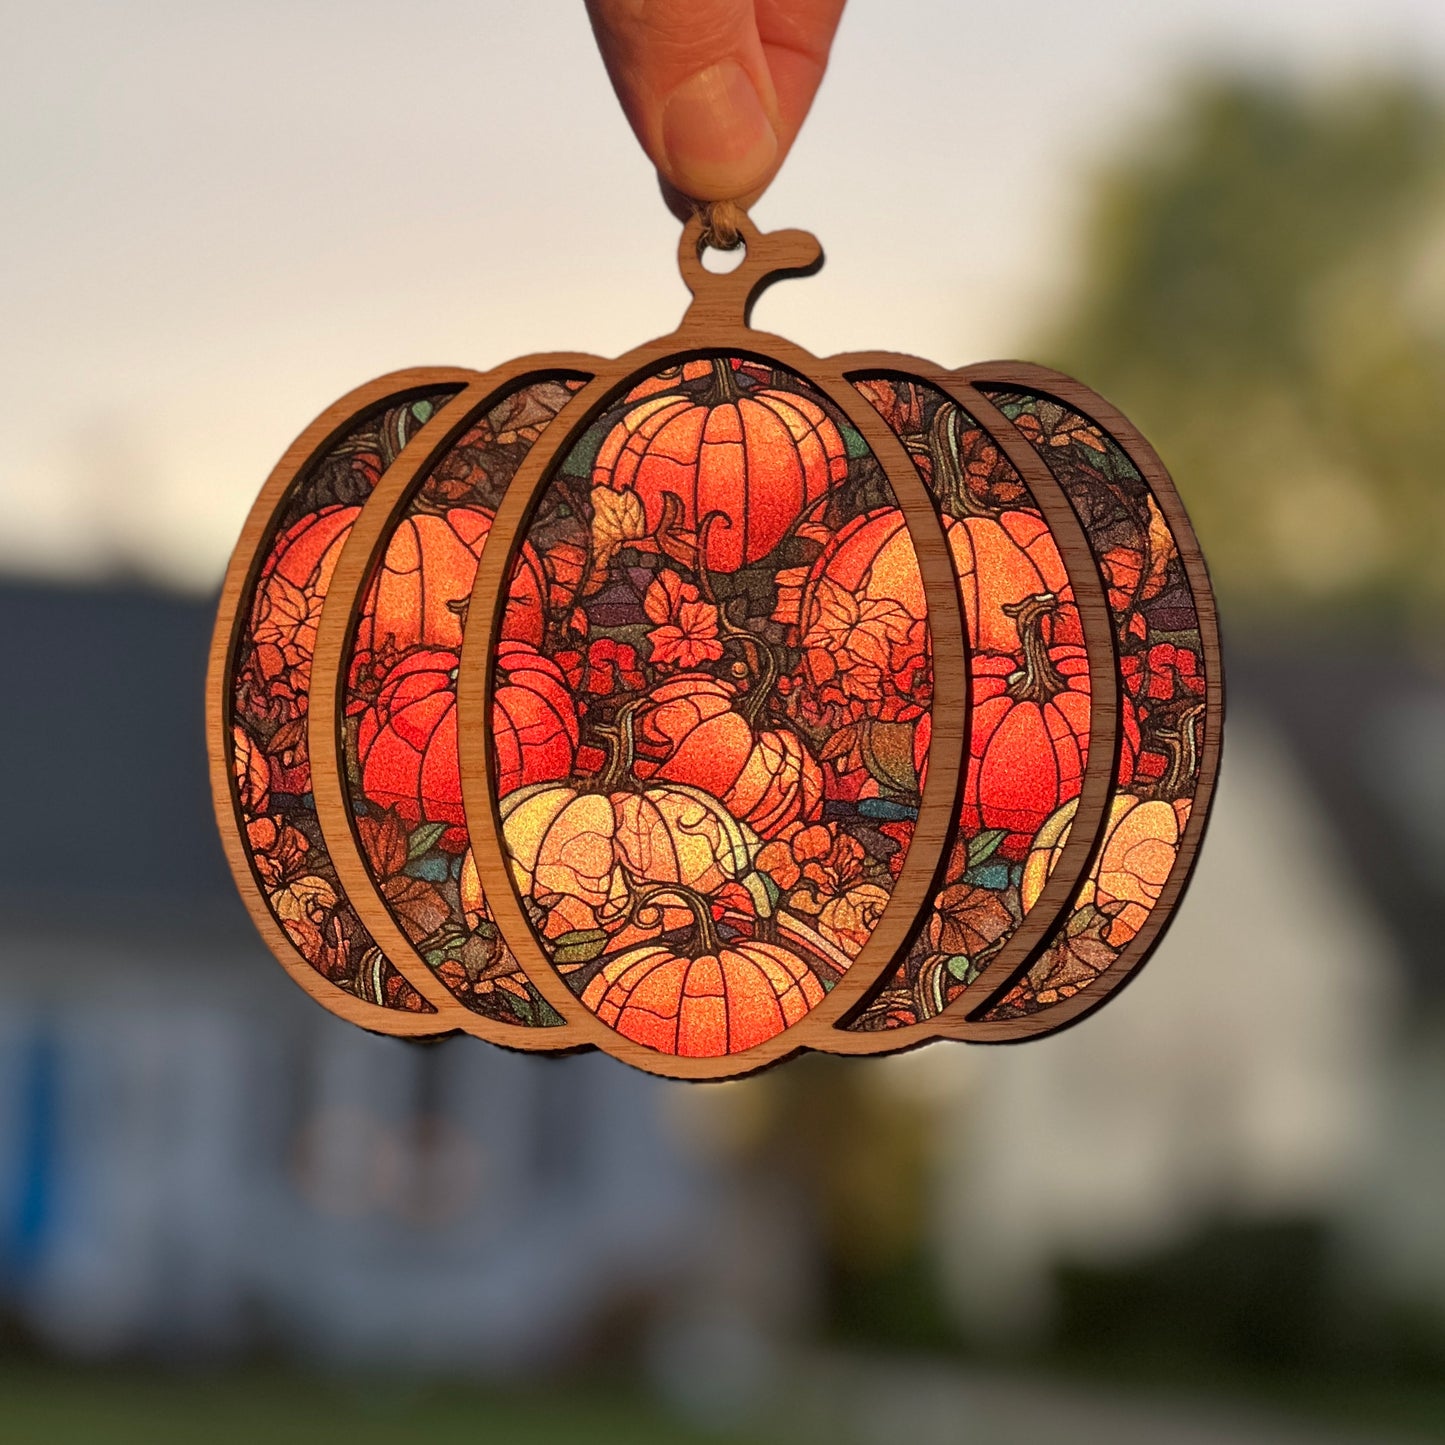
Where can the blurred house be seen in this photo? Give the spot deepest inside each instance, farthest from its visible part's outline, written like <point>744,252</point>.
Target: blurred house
<point>194,1156</point>
<point>1282,1058</point>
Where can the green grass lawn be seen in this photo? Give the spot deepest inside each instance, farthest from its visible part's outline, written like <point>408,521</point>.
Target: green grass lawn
<point>44,1403</point>
<point>55,1405</point>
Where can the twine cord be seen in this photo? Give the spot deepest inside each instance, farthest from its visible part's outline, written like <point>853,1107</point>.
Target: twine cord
<point>721,224</point>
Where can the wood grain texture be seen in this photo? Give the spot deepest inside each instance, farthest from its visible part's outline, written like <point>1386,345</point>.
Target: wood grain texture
<point>1055,902</point>
<point>1049,383</point>
<point>241,573</point>
<point>716,324</point>
<point>345,598</point>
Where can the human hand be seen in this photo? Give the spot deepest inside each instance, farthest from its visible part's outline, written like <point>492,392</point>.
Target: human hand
<point>716,90</point>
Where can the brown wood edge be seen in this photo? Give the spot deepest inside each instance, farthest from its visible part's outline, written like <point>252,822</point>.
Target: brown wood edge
<point>340,615</point>
<point>1043,380</point>
<point>1054,903</point>
<point>713,325</point>
<point>239,583</point>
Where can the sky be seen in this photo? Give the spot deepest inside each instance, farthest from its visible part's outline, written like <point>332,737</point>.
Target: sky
<point>218,218</point>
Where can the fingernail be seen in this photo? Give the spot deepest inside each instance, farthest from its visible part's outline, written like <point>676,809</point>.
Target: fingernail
<point>718,139</point>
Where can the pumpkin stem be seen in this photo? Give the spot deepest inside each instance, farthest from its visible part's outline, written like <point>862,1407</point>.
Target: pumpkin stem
<point>948,480</point>
<point>705,940</point>
<point>1182,741</point>
<point>765,668</point>
<point>762,661</point>
<point>704,572</point>
<point>620,741</point>
<point>725,381</point>
<point>1040,680</point>
<point>727,298</point>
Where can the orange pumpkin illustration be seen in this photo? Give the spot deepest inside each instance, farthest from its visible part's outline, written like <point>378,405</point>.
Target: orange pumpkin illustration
<point>407,745</point>
<point>705,1002</point>
<point>418,596</point>
<point>293,582</point>
<point>1000,557</point>
<point>534,718</point>
<point>430,562</point>
<point>1000,561</point>
<point>711,456</point>
<point>690,731</point>
<point>1030,738</point>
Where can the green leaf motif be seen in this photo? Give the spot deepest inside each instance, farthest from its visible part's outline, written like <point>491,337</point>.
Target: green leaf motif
<point>985,845</point>
<point>581,945</point>
<point>424,839</point>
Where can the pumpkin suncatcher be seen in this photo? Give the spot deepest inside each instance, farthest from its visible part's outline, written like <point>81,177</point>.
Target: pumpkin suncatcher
<point>716,702</point>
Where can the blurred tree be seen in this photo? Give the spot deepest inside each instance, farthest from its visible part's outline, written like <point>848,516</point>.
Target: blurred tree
<point>1264,294</point>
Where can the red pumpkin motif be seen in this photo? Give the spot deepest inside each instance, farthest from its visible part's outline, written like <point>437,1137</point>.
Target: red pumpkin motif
<point>707,1002</point>
<point>1000,555</point>
<point>999,561</point>
<point>306,553</point>
<point>755,459</point>
<point>407,745</point>
<point>689,731</point>
<point>534,719</point>
<point>1029,738</point>
<point>863,620</point>
<point>525,618</point>
<point>430,564</point>
<point>292,587</point>
<point>418,597</point>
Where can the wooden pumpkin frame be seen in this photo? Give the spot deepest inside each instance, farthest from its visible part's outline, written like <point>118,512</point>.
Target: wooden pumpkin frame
<point>1057,385</point>
<point>716,323</point>
<point>956,1019</point>
<point>238,587</point>
<point>359,558</point>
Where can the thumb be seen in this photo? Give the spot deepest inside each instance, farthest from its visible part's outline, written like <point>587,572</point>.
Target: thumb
<point>694,82</point>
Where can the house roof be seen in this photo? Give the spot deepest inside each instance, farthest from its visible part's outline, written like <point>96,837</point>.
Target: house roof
<point>1366,723</point>
<point>102,751</point>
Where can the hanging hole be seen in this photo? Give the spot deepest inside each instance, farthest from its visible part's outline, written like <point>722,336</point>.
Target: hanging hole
<point>722,262</point>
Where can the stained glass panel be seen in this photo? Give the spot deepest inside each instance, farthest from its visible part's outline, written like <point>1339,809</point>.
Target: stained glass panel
<point>1162,668</point>
<point>1029,696</point>
<point>271,683</point>
<point>711,705</point>
<point>403,775</point>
